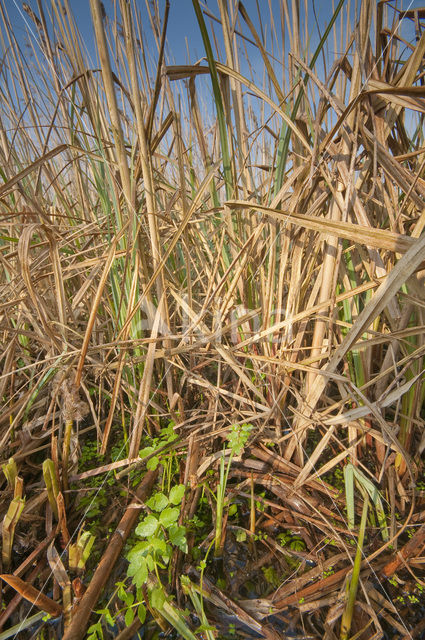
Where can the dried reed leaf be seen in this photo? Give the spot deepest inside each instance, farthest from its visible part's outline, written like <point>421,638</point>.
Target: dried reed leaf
<point>5,188</point>
<point>377,238</point>
<point>32,594</point>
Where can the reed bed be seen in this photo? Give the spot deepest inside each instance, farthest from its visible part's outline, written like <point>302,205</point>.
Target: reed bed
<point>212,317</point>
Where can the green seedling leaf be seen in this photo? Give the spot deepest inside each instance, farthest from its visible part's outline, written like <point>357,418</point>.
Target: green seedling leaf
<point>271,576</point>
<point>186,584</point>
<point>169,516</point>
<point>147,527</point>
<point>95,631</point>
<point>152,463</point>
<point>238,437</point>
<point>136,561</point>
<point>177,537</point>
<point>107,615</point>
<point>376,500</point>
<point>139,548</point>
<point>193,592</point>
<point>141,612</point>
<point>157,502</point>
<point>150,562</point>
<point>129,617</point>
<point>177,493</point>
<point>144,453</point>
<point>125,596</point>
<point>85,543</point>
<point>297,544</point>
<point>240,535</point>
<point>159,545</point>
<point>138,570</point>
<point>157,598</point>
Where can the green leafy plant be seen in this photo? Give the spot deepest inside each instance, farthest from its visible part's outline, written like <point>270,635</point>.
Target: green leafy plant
<point>160,533</point>
<point>154,452</point>
<point>237,439</point>
<point>131,604</point>
<point>297,544</point>
<point>294,542</point>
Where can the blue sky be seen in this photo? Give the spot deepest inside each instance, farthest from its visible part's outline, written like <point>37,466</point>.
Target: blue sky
<point>183,27</point>
<point>184,40</point>
<point>182,23</point>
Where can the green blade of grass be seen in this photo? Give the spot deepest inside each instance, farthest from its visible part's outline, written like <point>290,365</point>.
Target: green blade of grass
<point>351,474</point>
<point>349,493</point>
<point>347,616</point>
<point>218,101</point>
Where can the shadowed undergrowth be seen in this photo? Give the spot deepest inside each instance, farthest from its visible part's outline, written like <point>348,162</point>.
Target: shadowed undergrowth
<point>212,302</point>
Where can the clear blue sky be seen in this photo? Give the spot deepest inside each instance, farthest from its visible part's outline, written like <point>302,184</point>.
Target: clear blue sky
<point>182,22</point>
<point>183,28</point>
